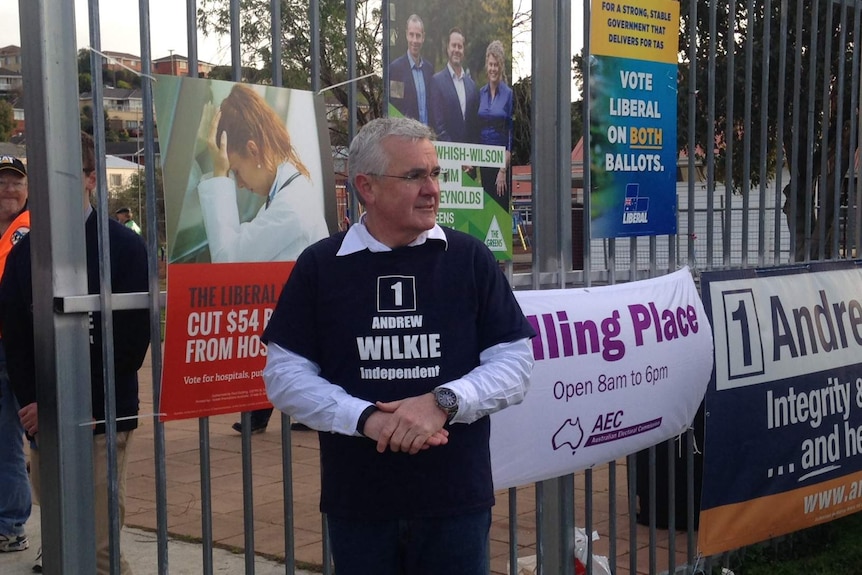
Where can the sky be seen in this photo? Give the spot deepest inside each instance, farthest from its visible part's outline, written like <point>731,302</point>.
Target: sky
<point>121,31</point>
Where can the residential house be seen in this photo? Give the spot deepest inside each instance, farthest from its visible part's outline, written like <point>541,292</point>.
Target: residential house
<point>123,106</point>
<point>177,65</point>
<point>10,58</point>
<point>121,60</point>
<point>119,172</point>
<point>10,82</point>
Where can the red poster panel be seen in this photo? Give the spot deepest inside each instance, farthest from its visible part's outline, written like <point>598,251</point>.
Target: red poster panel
<point>216,315</point>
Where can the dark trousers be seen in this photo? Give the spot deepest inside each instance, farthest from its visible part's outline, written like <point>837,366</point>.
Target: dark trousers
<point>429,546</point>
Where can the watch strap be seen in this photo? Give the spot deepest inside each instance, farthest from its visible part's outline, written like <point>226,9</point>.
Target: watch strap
<point>363,419</point>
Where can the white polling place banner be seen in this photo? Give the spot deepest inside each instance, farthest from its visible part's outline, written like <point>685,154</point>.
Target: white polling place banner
<point>618,368</point>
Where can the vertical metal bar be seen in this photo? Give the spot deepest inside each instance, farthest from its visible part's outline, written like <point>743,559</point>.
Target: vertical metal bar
<point>670,447</point>
<point>588,516</point>
<point>205,462</point>
<point>692,117</point>
<point>746,136</point>
<point>513,530</point>
<point>710,148</point>
<point>764,133</point>
<point>839,137</point>
<point>690,510</point>
<point>809,144</point>
<point>154,289</point>
<point>540,527</point>
<point>612,513</point>
<point>779,139</point>
<point>587,159</point>
<point>314,21</point>
<point>652,509</point>
<point>275,41</point>
<point>794,132</point>
<point>351,89</point>
<point>729,136</point>
<point>49,69</point>
<point>106,309</point>
<point>825,123</point>
<point>854,104</point>
<point>327,556</point>
<point>631,471</point>
<point>852,194</point>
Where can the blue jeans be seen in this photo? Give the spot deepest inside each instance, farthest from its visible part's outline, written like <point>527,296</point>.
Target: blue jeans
<point>429,546</point>
<point>15,499</point>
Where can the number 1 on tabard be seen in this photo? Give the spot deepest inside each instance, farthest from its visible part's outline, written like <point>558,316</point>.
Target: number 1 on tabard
<point>742,329</point>
<point>399,296</point>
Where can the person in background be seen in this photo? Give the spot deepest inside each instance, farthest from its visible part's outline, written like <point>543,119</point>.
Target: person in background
<point>410,75</point>
<point>495,121</point>
<point>404,437</point>
<point>249,141</point>
<point>131,338</point>
<point>124,216</point>
<point>454,98</point>
<point>15,499</point>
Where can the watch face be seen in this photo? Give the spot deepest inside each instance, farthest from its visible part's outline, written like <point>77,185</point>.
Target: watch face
<point>446,399</point>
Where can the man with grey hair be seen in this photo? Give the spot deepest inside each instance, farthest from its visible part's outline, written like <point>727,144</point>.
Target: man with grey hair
<point>396,340</point>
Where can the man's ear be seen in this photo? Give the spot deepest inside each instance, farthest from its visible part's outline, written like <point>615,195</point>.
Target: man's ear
<point>364,188</point>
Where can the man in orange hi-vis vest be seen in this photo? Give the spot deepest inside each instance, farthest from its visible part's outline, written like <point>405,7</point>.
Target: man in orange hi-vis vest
<point>15,498</point>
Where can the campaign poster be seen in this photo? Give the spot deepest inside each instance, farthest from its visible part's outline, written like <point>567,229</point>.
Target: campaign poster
<point>248,179</point>
<point>783,443</point>
<point>617,368</point>
<point>633,124</point>
<point>450,64</point>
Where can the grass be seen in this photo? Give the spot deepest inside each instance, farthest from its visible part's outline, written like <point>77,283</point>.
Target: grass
<point>830,549</point>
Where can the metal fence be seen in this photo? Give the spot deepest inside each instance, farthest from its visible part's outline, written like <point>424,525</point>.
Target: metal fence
<point>769,98</point>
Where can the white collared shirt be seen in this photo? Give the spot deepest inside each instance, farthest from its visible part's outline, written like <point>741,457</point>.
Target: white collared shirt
<point>459,88</point>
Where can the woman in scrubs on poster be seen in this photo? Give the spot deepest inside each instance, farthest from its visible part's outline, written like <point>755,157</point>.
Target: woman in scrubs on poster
<point>248,140</point>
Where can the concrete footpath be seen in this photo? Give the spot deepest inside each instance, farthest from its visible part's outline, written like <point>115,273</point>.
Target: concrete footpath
<point>141,549</point>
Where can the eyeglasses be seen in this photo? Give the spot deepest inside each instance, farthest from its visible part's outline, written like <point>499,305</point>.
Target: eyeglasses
<point>14,184</point>
<point>414,178</point>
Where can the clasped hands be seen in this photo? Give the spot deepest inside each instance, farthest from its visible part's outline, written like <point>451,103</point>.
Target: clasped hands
<point>410,425</point>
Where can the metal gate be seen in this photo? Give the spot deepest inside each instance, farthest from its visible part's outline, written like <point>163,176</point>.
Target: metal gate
<point>768,115</point>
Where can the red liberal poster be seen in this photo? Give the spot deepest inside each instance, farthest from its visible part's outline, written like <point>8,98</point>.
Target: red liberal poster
<point>243,198</point>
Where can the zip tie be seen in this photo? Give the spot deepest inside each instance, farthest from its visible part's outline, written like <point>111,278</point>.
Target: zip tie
<point>346,82</point>
<point>126,418</point>
<point>120,64</point>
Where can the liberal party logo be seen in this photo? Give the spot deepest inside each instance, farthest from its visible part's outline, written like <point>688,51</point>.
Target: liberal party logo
<point>636,207</point>
<point>19,234</point>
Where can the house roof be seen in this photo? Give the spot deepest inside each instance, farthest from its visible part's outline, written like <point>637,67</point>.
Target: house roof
<point>117,163</point>
<point>8,72</point>
<point>121,55</point>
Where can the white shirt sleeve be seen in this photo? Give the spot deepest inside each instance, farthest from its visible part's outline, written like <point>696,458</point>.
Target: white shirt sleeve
<point>294,386</point>
<point>501,379</point>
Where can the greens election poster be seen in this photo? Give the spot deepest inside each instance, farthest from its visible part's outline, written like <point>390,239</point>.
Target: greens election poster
<point>633,118</point>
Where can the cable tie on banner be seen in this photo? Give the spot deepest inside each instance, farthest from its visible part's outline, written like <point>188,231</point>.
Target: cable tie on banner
<point>322,90</point>
<point>126,418</point>
<point>113,60</point>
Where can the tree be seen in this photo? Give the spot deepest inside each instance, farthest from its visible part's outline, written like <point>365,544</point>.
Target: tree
<point>797,138</point>
<point>523,137</point>
<point>214,18</point>
<point>7,120</point>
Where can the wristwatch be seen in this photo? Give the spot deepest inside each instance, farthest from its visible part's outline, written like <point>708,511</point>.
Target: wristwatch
<point>447,401</point>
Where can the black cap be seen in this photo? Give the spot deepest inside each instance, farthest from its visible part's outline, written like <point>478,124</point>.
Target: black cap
<point>12,163</point>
